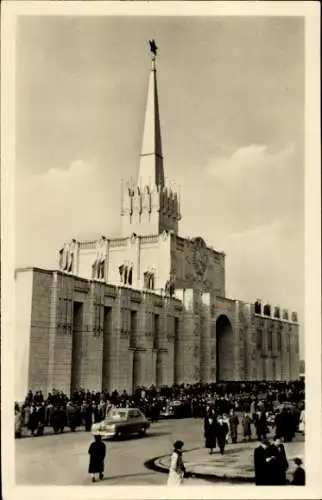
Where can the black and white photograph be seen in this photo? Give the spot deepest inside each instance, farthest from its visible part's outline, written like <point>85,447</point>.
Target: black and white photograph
<point>156,235</point>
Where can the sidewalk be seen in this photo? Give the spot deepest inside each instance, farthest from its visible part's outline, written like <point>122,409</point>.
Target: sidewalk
<point>235,465</point>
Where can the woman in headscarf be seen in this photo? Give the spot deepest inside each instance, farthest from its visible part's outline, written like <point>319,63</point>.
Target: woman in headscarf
<point>177,468</point>
<point>97,452</point>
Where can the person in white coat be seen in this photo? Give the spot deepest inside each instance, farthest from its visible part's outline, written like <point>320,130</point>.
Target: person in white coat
<point>302,422</point>
<point>177,468</point>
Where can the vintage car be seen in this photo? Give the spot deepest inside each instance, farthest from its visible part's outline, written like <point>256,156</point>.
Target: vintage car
<point>121,422</point>
<point>171,409</point>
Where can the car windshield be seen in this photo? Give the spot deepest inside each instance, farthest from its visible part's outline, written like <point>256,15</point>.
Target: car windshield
<point>117,415</point>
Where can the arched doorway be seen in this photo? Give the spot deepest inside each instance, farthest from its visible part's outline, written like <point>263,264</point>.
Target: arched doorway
<point>224,349</point>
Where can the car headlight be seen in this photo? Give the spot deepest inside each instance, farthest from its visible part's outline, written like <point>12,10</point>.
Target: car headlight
<point>110,428</point>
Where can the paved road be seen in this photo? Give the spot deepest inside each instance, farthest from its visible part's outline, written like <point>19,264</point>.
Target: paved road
<point>63,459</point>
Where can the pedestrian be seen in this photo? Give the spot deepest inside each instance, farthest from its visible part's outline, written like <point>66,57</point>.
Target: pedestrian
<point>261,463</point>
<point>260,424</point>
<point>288,425</point>
<point>177,468</point>
<point>41,418</point>
<point>18,421</point>
<point>233,425</point>
<point>299,473</point>
<point>88,416</point>
<point>71,417</point>
<point>210,430</point>
<point>280,465</point>
<point>246,422</point>
<point>97,453</point>
<point>279,424</point>
<point>33,420</point>
<point>302,422</point>
<point>221,433</point>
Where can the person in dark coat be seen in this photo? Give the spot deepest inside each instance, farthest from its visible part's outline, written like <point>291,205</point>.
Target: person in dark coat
<point>221,433</point>
<point>41,419</point>
<point>260,424</point>
<point>261,460</point>
<point>233,425</point>
<point>299,473</point>
<point>246,422</point>
<point>279,424</point>
<point>288,428</point>
<point>210,425</point>
<point>88,417</point>
<point>33,420</point>
<point>58,420</point>
<point>97,453</point>
<point>71,417</point>
<point>279,466</point>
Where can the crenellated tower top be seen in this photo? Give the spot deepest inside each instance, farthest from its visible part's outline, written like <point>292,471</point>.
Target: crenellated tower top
<point>149,206</point>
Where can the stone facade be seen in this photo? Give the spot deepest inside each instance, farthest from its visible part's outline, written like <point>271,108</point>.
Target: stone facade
<point>73,332</point>
<point>147,308</point>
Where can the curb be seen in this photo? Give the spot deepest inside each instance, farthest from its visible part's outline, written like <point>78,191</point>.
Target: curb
<point>154,464</point>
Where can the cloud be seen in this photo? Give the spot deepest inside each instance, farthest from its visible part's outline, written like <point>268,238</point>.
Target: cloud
<point>81,201</point>
<point>256,186</point>
<point>252,208</point>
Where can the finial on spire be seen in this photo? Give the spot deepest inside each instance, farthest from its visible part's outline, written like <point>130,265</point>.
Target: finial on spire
<point>153,48</point>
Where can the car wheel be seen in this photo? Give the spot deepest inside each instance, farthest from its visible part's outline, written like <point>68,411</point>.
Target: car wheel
<point>118,435</point>
<point>143,432</point>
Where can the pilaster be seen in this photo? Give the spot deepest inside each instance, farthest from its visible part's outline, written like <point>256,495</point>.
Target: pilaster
<point>90,363</point>
<point>62,349</point>
<point>187,352</point>
<point>206,342</point>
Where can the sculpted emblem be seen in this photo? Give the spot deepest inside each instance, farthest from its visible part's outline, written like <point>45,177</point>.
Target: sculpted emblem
<point>200,257</point>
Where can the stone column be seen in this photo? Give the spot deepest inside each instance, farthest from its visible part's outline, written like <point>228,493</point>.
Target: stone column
<point>90,364</point>
<point>250,342</point>
<point>238,344</point>
<point>139,368</point>
<point>62,350</point>
<point>285,354</point>
<point>53,315</point>
<point>162,345</point>
<point>113,348</point>
<point>186,361</point>
<point>294,351</point>
<point>205,339</point>
<point>143,357</point>
<point>171,349</point>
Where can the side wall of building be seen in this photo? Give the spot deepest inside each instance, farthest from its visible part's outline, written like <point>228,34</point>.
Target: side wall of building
<point>86,334</point>
<point>24,293</point>
<point>277,348</point>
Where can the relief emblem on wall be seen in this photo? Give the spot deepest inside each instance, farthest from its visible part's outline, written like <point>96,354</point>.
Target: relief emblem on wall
<point>200,258</point>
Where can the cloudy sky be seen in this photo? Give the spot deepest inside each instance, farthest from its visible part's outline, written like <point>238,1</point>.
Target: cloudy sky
<point>231,94</point>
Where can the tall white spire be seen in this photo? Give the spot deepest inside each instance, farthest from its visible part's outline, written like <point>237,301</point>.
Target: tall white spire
<point>151,171</point>
<point>149,207</point>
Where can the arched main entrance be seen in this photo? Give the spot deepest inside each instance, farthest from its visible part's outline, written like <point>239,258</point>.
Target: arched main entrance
<point>224,349</point>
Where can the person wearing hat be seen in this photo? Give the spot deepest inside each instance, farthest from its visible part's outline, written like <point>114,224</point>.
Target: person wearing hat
<point>97,453</point>
<point>299,473</point>
<point>177,468</point>
<point>221,433</point>
<point>210,424</point>
<point>261,460</point>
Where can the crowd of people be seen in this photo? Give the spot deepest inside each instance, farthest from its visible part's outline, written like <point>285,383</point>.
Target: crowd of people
<point>229,411</point>
<point>256,403</point>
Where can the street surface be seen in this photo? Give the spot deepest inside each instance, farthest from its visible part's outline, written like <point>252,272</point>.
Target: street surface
<point>63,459</point>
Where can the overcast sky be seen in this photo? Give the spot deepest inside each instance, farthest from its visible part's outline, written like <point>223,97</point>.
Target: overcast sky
<point>231,93</point>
